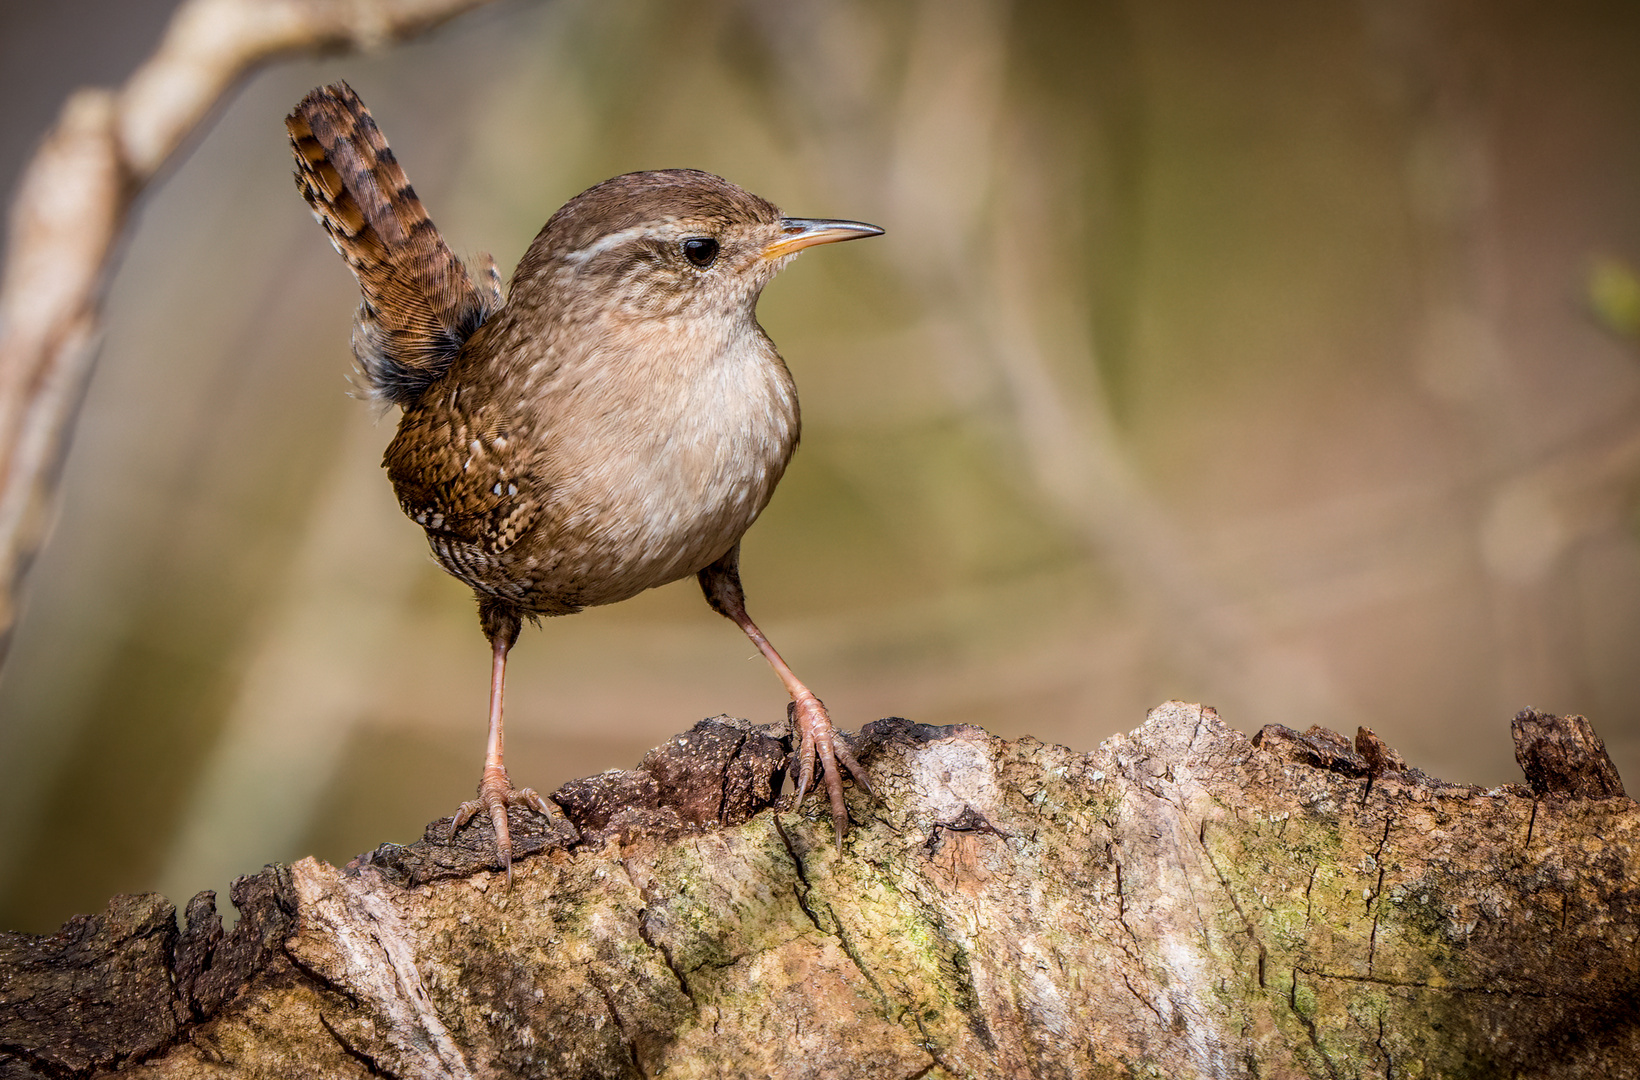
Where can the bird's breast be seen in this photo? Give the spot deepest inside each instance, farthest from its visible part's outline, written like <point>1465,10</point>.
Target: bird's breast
<point>667,479</point>
<point>649,457</point>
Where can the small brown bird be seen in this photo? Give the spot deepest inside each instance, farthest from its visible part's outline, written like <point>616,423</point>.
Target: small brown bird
<point>615,423</point>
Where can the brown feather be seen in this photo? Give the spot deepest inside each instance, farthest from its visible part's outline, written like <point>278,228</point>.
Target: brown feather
<point>419,303</point>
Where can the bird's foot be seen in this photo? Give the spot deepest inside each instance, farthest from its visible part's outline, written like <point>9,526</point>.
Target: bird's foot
<point>495,795</point>
<point>818,741</point>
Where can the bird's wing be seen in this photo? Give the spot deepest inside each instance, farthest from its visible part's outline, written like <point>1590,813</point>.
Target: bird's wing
<point>465,476</point>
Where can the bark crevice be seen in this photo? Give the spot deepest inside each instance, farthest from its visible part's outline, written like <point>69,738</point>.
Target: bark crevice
<point>1004,909</point>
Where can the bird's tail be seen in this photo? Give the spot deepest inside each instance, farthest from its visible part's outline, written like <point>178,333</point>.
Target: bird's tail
<point>419,303</point>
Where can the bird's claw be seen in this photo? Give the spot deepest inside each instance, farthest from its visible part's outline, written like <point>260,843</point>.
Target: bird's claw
<point>495,795</point>
<point>818,741</point>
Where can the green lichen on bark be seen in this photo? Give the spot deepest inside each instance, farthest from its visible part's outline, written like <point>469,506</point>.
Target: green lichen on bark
<point>1182,902</point>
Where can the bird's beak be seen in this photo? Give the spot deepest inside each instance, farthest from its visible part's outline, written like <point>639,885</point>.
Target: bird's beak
<point>798,233</point>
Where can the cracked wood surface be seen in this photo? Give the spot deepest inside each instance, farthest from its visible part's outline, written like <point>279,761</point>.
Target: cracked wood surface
<point>1181,902</point>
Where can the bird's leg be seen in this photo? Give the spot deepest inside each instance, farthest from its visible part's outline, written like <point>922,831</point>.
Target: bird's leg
<point>495,791</point>
<point>817,740</point>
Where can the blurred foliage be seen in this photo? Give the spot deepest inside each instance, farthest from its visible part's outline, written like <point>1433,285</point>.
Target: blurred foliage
<point>1614,296</point>
<point>1228,353</point>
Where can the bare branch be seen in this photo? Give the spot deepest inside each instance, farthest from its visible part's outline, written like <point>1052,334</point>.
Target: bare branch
<point>72,204</point>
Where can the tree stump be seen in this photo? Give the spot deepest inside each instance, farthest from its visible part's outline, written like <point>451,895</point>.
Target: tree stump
<point>1181,902</point>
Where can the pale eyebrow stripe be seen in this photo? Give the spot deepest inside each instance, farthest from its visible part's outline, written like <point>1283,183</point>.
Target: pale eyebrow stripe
<point>580,256</point>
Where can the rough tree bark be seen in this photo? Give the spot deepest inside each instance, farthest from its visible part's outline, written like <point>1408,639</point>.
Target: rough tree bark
<point>1182,902</point>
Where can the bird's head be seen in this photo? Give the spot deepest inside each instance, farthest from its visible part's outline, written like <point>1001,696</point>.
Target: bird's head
<point>669,243</point>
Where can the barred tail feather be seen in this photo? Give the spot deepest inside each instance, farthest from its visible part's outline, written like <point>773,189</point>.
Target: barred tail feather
<point>419,303</point>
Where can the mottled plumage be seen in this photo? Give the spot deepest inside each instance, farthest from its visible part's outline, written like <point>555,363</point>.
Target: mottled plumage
<point>618,423</point>
<point>419,303</point>
<point>622,420</point>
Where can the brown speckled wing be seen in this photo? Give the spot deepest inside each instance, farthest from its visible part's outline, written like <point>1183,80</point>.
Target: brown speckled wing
<point>467,480</point>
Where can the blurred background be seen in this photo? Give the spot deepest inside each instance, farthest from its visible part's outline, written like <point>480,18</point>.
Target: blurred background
<point>1279,356</point>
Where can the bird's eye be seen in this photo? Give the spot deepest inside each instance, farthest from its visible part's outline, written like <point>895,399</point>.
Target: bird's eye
<point>700,250</point>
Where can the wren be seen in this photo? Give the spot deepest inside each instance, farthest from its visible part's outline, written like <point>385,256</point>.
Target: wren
<point>615,421</point>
